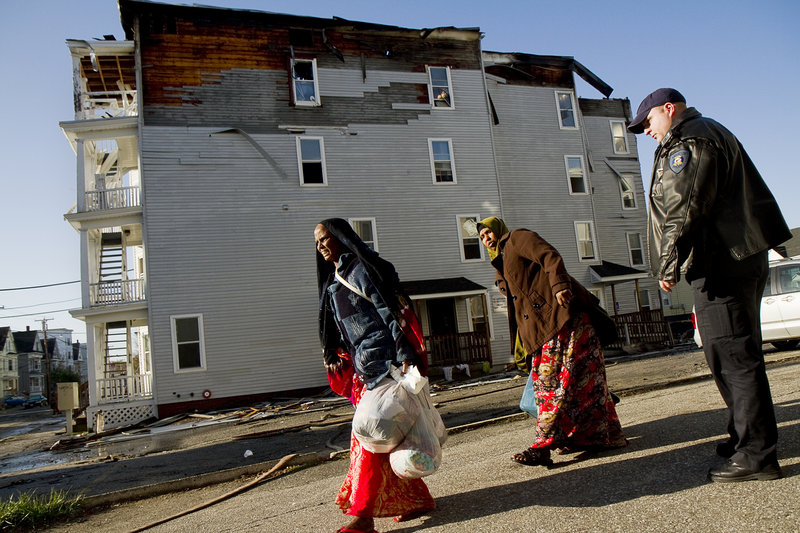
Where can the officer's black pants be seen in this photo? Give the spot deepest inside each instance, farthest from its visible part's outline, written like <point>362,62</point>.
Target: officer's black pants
<point>728,317</point>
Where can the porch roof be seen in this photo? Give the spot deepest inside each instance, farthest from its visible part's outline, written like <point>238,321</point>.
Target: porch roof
<point>423,289</point>
<point>608,272</point>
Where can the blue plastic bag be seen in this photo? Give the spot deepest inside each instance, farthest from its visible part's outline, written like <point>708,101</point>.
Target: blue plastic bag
<point>528,401</point>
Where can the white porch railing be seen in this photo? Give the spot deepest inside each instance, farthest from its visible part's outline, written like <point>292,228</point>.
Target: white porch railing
<point>124,388</point>
<point>116,292</point>
<point>113,198</point>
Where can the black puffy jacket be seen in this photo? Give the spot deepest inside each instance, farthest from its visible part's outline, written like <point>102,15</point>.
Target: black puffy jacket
<point>709,206</point>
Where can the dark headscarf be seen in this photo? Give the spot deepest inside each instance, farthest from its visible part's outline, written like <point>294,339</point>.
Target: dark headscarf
<point>380,272</point>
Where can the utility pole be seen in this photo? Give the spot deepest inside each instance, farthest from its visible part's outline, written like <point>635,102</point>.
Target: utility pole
<point>48,393</point>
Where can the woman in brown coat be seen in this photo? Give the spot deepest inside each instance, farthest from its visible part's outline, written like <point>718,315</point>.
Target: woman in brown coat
<point>546,310</point>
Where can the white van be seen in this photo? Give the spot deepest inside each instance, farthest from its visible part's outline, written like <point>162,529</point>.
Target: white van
<point>780,305</point>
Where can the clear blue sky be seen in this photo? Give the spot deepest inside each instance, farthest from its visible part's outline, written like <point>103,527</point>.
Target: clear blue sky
<point>736,61</point>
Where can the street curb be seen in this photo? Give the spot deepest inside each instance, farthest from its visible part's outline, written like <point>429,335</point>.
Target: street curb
<point>195,482</point>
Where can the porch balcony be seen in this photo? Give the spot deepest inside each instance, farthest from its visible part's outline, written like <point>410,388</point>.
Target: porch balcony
<point>117,198</point>
<point>116,292</point>
<point>458,348</point>
<point>124,389</point>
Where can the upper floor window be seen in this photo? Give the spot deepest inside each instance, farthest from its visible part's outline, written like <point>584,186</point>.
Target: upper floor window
<point>627,191</point>
<point>575,174</point>
<point>311,160</point>
<point>618,137</point>
<point>565,105</point>
<point>441,152</point>
<point>440,88</point>
<point>188,347</point>
<point>584,236</point>
<point>304,82</point>
<point>365,228</point>
<point>471,248</point>
<point>635,249</point>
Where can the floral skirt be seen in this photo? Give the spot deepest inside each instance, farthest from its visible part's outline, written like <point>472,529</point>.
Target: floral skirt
<point>569,379</point>
<point>372,489</point>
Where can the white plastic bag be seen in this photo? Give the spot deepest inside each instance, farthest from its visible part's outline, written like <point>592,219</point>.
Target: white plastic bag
<point>384,416</point>
<point>420,453</point>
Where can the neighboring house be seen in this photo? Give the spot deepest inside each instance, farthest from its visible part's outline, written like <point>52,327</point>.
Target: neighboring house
<point>30,356</point>
<point>9,366</point>
<point>201,176</point>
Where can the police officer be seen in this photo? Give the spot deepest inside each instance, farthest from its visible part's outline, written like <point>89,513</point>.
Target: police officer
<point>713,219</point>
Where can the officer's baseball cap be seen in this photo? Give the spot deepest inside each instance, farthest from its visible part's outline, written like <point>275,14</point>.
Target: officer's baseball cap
<point>654,99</point>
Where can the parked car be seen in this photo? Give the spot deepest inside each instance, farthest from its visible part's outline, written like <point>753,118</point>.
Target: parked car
<point>780,306</point>
<point>14,399</point>
<point>35,400</point>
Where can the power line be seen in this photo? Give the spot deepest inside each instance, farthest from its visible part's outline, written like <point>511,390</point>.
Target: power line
<point>37,305</point>
<point>34,314</point>
<point>40,286</point>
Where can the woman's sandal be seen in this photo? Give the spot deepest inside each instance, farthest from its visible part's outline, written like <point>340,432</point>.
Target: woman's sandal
<point>533,457</point>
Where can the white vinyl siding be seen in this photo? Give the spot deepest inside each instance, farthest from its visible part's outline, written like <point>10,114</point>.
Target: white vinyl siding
<point>440,88</point>
<point>188,350</point>
<point>470,245</point>
<point>635,249</point>
<point>618,138</point>
<point>311,161</point>
<point>576,174</point>
<point>305,88</point>
<point>366,229</point>
<point>585,238</point>
<point>565,105</point>
<point>442,165</point>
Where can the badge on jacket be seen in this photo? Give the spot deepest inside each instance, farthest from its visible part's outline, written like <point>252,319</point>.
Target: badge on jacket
<point>678,160</point>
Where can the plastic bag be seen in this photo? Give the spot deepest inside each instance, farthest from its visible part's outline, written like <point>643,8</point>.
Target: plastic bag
<point>528,401</point>
<point>384,416</point>
<point>420,453</point>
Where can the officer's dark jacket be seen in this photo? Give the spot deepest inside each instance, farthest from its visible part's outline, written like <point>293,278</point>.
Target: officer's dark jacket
<point>710,208</point>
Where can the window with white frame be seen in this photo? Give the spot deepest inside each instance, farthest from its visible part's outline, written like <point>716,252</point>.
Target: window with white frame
<point>647,301</point>
<point>584,236</point>
<point>635,249</point>
<point>440,88</point>
<point>365,228</point>
<point>598,293</point>
<point>441,153</point>
<point>618,137</point>
<point>311,160</point>
<point>188,347</point>
<point>565,104</point>
<point>304,82</point>
<point>477,313</point>
<point>576,177</point>
<point>627,192</point>
<point>666,300</point>
<point>471,248</point>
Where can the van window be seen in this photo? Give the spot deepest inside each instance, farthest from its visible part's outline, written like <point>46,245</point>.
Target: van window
<point>789,278</point>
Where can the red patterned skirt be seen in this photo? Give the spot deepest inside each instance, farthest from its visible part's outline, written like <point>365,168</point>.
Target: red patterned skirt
<point>569,379</point>
<point>372,489</point>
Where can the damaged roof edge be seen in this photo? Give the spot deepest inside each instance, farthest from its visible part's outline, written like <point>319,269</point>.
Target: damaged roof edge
<point>130,8</point>
<point>564,62</point>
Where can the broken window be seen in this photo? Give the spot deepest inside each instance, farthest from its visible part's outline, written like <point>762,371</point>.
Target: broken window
<point>311,160</point>
<point>304,82</point>
<point>441,153</point>
<point>566,110</point>
<point>188,352</point>
<point>627,191</point>
<point>365,228</point>
<point>618,137</point>
<point>584,235</point>
<point>441,90</point>
<point>575,174</point>
<point>471,248</point>
<point>635,249</point>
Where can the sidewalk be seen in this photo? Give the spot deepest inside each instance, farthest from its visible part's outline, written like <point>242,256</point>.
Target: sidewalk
<point>205,454</point>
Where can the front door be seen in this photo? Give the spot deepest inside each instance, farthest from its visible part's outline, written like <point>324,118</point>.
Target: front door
<point>443,345</point>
